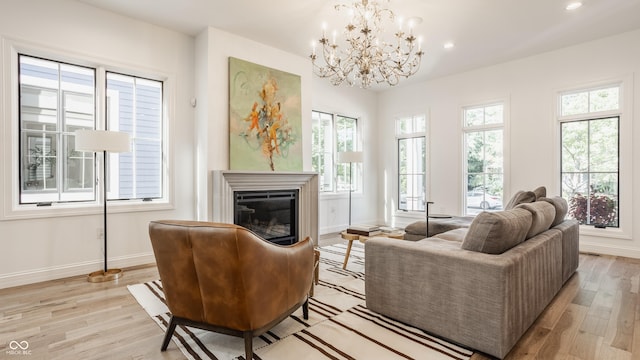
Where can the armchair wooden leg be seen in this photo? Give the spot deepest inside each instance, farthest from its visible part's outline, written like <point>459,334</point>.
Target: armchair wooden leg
<point>305,309</point>
<point>248,345</point>
<point>316,270</point>
<point>167,336</point>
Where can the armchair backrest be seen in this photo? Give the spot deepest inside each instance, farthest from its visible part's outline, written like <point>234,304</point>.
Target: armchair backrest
<point>225,275</point>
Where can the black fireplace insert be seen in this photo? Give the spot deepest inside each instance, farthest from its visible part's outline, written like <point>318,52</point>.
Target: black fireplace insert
<point>272,214</point>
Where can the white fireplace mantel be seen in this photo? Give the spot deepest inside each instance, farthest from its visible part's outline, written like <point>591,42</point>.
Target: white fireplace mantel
<point>226,182</point>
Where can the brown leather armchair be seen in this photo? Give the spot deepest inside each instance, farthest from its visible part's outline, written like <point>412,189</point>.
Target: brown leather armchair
<point>226,279</point>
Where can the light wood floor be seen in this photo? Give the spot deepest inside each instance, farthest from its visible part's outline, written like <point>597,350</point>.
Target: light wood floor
<point>595,316</point>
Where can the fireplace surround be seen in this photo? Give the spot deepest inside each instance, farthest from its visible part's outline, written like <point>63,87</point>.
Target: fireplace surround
<point>227,182</point>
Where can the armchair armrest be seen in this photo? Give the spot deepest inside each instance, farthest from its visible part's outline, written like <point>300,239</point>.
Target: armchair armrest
<point>282,274</point>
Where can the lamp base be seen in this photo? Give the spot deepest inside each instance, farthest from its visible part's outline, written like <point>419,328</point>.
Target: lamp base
<point>102,276</point>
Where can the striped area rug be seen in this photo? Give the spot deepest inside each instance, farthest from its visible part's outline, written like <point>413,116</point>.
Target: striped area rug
<point>340,327</point>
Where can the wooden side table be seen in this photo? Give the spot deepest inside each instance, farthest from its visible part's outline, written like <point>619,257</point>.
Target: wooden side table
<point>351,237</point>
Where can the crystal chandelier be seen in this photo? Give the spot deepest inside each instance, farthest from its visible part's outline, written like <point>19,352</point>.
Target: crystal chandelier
<point>367,57</point>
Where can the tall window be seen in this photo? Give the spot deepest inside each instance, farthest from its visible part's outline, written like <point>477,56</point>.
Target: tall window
<point>134,105</point>
<point>331,134</point>
<point>322,148</point>
<point>412,161</point>
<point>483,128</point>
<point>56,99</point>
<point>590,151</point>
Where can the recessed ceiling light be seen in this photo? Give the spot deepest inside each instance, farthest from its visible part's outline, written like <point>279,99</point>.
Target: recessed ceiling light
<point>573,5</point>
<point>448,45</point>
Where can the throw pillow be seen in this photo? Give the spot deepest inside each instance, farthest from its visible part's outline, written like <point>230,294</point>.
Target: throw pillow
<point>520,197</point>
<point>561,208</point>
<point>540,192</point>
<point>542,215</point>
<point>497,232</point>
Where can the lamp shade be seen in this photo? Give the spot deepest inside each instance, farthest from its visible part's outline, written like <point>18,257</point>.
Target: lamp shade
<point>102,140</point>
<point>350,157</point>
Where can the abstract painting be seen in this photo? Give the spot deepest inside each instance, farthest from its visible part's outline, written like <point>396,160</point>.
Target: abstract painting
<point>265,118</point>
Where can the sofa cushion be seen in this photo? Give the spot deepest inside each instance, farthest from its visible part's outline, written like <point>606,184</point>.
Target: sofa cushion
<point>438,225</point>
<point>542,215</point>
<point>497,232</point>
<point>521,197</point>
<point>561,208</point>
<point>540,192</point>
<point>416,227</point>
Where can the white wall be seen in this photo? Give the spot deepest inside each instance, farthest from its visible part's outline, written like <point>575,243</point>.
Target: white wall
<point>212,120</point>
<point>529,85</point>
<point>46,248</point>
<point>362,104</point>
<point>213,49</point>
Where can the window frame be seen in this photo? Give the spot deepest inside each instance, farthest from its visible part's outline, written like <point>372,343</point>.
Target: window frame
<point>464,130</point>
<point>10,180</point>
<point>588,173</point>
<point>137,140</point>
<point>624,112</point>
<point>412,135</point>
<point>59,135</point>
<point>356,178</point>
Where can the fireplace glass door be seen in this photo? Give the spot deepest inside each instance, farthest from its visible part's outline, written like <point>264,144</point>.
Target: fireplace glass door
<point>273,215</point>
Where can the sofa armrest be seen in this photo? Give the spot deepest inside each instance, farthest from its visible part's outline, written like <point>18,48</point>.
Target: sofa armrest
<point>480,300</point>
<point>570,247</point>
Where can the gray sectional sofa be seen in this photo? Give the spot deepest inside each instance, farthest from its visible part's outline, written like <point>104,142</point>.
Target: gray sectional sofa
<point>481,286</point>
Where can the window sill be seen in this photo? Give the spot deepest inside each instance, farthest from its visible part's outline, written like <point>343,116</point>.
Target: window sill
<point>339,195</point>
<point>24,212</point>
<point>614,233</point>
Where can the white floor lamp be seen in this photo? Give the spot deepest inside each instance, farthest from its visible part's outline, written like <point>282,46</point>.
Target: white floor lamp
<point>350,157</point>
<point>103,141</point>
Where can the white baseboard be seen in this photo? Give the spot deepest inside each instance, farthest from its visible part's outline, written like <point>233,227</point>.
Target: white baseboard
<point>64,271</point>
<point>332,229</point>
<point>601,249</point>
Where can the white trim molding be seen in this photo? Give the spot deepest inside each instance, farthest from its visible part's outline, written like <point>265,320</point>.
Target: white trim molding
<point>77,269</point>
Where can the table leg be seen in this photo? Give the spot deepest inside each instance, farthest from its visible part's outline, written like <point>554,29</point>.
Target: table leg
<point>346,256</point>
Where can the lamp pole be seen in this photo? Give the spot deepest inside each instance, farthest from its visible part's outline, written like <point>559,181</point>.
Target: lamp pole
<point>350,191</point>
<point>104,201</point>
<point>427,219</point>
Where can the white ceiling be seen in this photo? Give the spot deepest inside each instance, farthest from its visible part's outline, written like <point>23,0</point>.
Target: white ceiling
<point>485,31</point>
